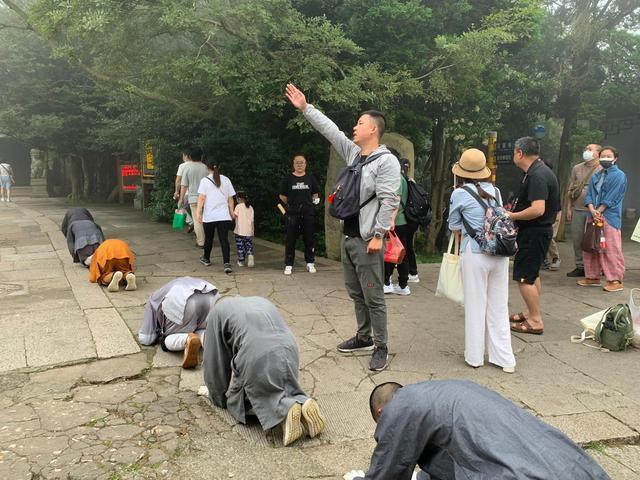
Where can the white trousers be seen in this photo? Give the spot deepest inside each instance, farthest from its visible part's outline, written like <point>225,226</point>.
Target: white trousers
<point>485,281</point>
<point>177,341</point>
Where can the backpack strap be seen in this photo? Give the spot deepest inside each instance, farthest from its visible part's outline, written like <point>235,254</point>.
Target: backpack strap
<point>472,233</point>
<point>359,166</point>
<point>214,183</point>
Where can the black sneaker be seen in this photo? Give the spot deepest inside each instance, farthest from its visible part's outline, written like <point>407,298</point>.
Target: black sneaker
<point>379,359</point>
<point>578,272</point>
<point>355,344</point>
<point>227,268</point>
<point>206,262</point>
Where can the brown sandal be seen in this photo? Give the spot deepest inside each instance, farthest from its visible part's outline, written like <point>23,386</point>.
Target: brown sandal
<point>517,317</point>
<point>525,327</point>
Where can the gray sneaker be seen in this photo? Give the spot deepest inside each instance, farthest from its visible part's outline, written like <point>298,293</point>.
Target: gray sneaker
<point>227,268</point>
<point>379,359</point>
<point>355,344</point>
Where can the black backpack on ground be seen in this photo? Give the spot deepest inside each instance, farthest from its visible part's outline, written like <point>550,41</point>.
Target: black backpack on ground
<point>344,201</point>
<point>418,208</point>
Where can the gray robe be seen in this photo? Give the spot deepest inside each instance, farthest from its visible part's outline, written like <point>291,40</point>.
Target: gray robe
<point>251,355</point>
<point>456,429</point>
<point>80,230</point>
<point>200,299</point>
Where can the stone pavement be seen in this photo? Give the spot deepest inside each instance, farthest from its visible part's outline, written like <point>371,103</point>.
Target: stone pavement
<point>79,398</point>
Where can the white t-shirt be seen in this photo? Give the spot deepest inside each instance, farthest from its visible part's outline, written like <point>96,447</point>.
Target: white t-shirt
<point>181,168</point>
<point>216,203</point>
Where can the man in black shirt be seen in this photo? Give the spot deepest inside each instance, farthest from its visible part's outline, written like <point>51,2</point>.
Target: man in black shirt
<point>300,192</point>
<point>534,212</point>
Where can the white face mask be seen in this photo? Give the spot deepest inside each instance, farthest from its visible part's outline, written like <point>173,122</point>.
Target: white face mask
<point>587,155</point>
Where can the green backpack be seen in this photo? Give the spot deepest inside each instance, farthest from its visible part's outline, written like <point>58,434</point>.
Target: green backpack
<point>615,331</point>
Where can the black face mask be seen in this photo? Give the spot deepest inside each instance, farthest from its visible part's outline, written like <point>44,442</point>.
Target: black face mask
<point>606,163</point>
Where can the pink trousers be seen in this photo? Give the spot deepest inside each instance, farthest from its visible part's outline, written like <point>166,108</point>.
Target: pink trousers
<point>610,262</point>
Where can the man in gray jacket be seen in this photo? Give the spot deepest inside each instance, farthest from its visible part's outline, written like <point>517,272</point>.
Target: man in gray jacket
<point>362,243</point>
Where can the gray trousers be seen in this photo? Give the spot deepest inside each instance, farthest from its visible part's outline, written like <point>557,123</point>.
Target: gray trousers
<point>577,233</point>
<point>364,280</point>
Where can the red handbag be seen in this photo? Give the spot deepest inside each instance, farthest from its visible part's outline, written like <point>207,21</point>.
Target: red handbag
<point>394,250</point>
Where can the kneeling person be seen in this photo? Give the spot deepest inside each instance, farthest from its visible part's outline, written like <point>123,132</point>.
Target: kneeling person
<point>456,429</point>
<point>176,314</point>
<point>112,264</point>
<point>251,363</point>
<point>83,235</point>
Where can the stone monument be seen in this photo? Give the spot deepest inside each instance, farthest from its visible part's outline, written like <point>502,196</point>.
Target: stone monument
<point>332,227</point>
<point>38,173</point>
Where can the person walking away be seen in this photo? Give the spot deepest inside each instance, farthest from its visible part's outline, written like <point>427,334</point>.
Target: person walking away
<point>363,242</point>
<point>604,201</point>
<point>400,229</point>
<point>485,278</point>
<point>215,211</point>
<point>192,174</point>
<point>176,316</point>
<point>576,211</point>
<point>300,193</point>
<point>112,264</point>
<point>176,193</point>
<point>412,228</point>
<point>534,212</point>
<point>244,231</point>
<point>6,181</point>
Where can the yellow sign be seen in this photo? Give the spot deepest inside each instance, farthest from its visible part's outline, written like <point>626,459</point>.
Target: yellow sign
<point>491,154</point>
<point>149,157</point>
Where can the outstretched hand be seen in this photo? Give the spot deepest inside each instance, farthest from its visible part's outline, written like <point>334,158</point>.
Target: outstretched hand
<point>295,96</point>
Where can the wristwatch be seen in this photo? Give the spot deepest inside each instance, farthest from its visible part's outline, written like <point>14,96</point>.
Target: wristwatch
<point>378,235</point>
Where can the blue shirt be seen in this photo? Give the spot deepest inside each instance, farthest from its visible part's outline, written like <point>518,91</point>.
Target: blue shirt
<point>607,187</point>
<point>462,203</point>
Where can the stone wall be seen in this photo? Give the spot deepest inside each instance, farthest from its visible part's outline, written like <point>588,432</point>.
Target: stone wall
<point>332,228</point>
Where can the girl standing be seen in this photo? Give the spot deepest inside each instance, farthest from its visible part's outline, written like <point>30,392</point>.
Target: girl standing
<point>243,214</point>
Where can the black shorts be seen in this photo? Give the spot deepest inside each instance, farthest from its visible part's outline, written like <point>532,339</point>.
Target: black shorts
<point>533,244</point>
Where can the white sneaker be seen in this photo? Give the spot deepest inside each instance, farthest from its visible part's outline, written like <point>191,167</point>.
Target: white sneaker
<point>288,270</point>
<point>3,199</point>
<point>401,291</point>
<point>509,369</point>
<point>389,288</point>
<point>311,268</point>
<point>250,261</point>
<point>414,278</point>
<point>114,284</point>
<point>240,264</point>
<point>131,282</point>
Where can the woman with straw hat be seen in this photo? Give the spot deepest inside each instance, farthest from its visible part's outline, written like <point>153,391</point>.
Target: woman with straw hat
<point>485,278</point>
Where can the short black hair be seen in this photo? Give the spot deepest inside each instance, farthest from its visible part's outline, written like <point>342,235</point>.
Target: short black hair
<point>613,149</point>
<point>378,119</point>
<point>528,145</point>
<point>381,395</point>
<point>194,153</point>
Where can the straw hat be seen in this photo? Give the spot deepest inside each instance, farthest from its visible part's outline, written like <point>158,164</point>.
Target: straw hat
<point>472,164</point>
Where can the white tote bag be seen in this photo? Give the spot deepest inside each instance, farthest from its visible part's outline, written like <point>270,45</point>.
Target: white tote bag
<point>589,324</point>
<point>450,278</point>
<point>634,306</point>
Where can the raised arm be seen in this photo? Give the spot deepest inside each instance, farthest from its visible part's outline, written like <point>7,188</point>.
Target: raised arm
<point>323,124</point>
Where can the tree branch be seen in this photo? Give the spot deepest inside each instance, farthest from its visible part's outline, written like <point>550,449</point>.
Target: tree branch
<point>431,72</point>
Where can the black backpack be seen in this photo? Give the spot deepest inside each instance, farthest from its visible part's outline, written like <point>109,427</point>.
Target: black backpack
<point>418,208</point>
<point>344,201</point>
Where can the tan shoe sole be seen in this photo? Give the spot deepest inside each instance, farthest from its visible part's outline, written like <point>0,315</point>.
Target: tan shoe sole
<point>191,351</point>
<point>114,284</point>
<point>131,282</point>
<point>583,283</point>
<point>312,418</point>
<point>292,429</point>
<point>618,287</point>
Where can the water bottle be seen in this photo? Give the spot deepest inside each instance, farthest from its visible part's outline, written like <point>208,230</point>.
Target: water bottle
<point>603,242</point>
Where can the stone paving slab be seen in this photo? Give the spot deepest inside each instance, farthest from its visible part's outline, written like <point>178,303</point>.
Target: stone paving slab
<point>110,334</point>
<point>592,427</point>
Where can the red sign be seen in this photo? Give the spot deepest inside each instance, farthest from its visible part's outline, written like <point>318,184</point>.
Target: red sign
<point>130,177</point>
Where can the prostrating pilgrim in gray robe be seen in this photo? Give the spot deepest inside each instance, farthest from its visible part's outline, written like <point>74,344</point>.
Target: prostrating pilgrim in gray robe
<point>82,233</point>
<point>180,306</point>
<point>456,429</point>
<point>250,355</point>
